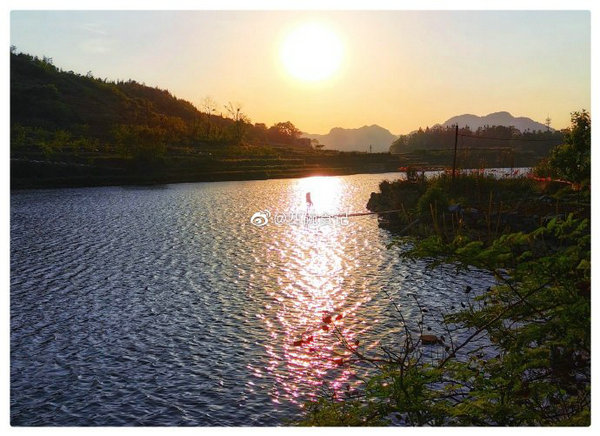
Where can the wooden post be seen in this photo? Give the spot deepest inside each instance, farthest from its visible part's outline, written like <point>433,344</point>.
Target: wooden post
<point>454,161</point>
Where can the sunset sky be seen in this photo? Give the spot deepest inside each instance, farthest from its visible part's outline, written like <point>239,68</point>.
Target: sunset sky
<point>397,69</point>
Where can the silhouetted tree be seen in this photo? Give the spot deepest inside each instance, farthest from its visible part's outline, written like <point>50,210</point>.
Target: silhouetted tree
<point>240,120</point>
<point>208,106</point>
<point>284,132</point>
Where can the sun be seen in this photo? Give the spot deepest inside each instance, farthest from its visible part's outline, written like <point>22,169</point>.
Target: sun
<point>312,52</point>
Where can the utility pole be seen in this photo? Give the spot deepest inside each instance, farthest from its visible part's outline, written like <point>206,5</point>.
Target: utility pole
<point>454,161</point>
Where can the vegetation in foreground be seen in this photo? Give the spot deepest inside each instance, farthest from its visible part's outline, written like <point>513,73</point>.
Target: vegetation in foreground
<point>534,237</point>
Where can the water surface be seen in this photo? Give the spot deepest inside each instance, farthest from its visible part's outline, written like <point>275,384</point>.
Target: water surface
<point>167,306</point>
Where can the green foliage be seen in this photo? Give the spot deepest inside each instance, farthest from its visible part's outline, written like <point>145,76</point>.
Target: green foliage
<point>571,161</point>
<point>330,412</point>
<point>434,201</point>
<point>536,369</point>
<point>50,142</point>
<point>484,206</point>
<point>42,96</point>
<point>398,195</point>
<point>140,142</point>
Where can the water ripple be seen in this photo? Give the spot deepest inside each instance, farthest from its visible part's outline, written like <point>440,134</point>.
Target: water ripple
<point>167,307</point>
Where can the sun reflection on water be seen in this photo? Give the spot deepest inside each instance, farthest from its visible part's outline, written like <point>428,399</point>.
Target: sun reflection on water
<point>312,291</point>
<point>326,194</point>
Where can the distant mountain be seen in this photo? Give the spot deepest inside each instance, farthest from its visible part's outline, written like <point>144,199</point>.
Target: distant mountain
<point>356,139</point>
<point>496,119</point>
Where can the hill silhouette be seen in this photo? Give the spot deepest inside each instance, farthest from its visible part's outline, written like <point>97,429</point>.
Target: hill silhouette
<point>44,96</point>
<point>380,138</point>
<point>356,139</point>
<point>502,118</point>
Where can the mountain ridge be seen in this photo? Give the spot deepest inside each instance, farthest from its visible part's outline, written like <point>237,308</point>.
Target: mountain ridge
<point>360,138</point>
<point>500,118</point>
<point>356,139</point>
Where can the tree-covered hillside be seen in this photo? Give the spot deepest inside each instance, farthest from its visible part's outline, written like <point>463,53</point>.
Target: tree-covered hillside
<point>69,129</point>
<point>43,97</point>
<point>488,146</point>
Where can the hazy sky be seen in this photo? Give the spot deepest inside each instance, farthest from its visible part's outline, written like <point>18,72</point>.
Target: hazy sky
<point>398,69</point>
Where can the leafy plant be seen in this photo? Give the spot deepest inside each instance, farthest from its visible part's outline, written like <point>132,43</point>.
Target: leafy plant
<point>571,161</point>
<point>535,369</point>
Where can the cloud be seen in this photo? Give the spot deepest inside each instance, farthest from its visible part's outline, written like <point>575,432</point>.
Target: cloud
<point>96,45</point>
<point>95,28</point>
<point>94,38</point>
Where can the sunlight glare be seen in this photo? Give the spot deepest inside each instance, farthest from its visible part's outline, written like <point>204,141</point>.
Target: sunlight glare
<point>312,52</point>
<point>326,193</point>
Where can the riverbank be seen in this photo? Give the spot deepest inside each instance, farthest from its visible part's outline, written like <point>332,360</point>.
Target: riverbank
<point>40,174</point>
<point>481,206</point>
<point>529,331</point>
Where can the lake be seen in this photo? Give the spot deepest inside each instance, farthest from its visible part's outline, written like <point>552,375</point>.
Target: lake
<point>174,305</point>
